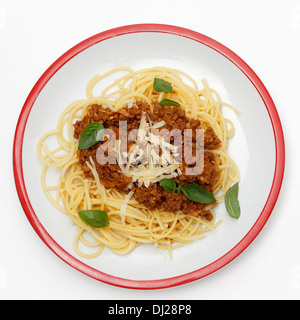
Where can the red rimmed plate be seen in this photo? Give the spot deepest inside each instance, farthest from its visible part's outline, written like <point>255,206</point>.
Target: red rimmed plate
<point>257,148</point>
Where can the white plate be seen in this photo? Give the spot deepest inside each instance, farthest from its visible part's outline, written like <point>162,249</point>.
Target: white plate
<point>257,148</point>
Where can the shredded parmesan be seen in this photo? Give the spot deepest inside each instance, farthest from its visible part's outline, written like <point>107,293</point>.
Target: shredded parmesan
<point>159,124</point>
<point>154,167</point>
<point>123,211</point>
<point>100,187</point>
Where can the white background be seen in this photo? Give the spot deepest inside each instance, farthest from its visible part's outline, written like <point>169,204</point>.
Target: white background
<point>264,33</point>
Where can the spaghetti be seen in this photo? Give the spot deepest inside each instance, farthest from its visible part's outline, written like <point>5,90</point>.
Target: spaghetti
<point>139,225</point>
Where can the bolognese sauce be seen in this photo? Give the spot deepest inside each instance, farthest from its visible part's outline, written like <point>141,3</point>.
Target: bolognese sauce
<point>152,196</point>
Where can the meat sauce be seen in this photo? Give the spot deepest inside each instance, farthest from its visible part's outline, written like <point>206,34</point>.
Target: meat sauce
<point>154,196</point>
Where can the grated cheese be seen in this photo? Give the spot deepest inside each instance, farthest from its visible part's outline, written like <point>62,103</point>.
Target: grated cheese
<point>155,167</point>
<point>123,211</point>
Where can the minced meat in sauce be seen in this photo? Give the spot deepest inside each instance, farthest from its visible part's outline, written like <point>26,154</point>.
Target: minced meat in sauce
<point>154,196</point>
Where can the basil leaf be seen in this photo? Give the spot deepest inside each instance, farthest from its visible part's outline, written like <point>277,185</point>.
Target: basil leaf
<point>197,194</point>
<point>162,85</point>
<point>91,134</point>
<point>231,201</point>
<point>179,188</point>
<point>94,218</point>
<point>168,184</point>
<point>168,102</point>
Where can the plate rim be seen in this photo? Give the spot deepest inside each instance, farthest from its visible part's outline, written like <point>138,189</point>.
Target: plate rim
<point>187,277</point>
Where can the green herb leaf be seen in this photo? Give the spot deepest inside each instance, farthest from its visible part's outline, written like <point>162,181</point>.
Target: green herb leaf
<point>197,194</point>
<point>91,135</point>
<point>168,102</point>
<point>168,184</point>
<point>231,201</point>
<point>179,187</point>
<point>162,85</point>
<point>94,218</point>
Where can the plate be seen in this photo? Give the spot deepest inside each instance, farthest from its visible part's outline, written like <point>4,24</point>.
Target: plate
<point>257,148</point>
